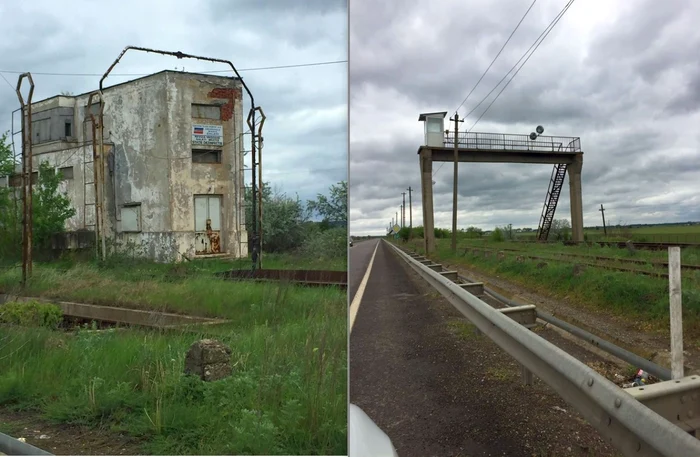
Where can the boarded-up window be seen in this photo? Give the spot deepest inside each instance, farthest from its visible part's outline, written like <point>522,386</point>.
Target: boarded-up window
<point>206,111</point>
<point>66,173</point>
<point>207,207</point>
<point>206,156</point>
<point>131,217</point>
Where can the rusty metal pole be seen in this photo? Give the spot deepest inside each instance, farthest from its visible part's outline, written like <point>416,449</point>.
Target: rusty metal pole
<point>27,219</point>
<point>254,191</point>
<point>102,181</point>
<point>99,235</point>
<point>410,214</point>
<point>260,181</point>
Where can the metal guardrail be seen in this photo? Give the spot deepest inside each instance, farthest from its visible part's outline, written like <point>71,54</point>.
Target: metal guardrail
<point>513,142</point>
<point>604,345</point>
<point>630,426</point>
<point>13,446</point>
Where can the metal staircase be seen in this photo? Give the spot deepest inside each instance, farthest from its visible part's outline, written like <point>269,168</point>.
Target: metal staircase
<point>556,182</point>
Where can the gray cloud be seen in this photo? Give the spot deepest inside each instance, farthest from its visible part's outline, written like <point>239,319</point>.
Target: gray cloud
<point>306,129</point>
<point>623,77</point>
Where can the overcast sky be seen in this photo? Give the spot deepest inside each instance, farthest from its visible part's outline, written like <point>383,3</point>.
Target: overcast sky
<point>624,76</point>
<point>306,108</point>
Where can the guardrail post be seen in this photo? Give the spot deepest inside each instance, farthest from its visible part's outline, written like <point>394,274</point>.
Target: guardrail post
<point>676,311</point>
<point>526,375</point>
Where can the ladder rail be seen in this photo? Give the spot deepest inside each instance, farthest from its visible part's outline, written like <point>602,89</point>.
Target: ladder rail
<point>556,182</point>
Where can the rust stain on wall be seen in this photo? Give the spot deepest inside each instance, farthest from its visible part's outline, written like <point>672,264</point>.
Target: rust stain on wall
<point>227,93</point>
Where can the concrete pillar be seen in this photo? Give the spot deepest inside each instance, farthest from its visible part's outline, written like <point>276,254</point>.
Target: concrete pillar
<point>574,170</point>
<point>426,165</point>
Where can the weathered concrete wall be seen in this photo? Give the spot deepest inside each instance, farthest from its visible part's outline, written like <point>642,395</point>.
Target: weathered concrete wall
<point>188,179</point>
<point>148,129</point>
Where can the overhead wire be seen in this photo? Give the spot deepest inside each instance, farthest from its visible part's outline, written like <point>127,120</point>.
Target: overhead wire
<point>534,45</point>
<point>273,67</point>
<point>548,30</point>
<point>497,55</point>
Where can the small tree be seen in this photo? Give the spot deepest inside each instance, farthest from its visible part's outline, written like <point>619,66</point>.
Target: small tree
<point>333,208</point>
<point>10,234</point>
<point>474,232</point>
<point>283,223</point>
<point>404,233</point>
<point>51,208</point>
<point>560,229</point>
<point>497,235</point>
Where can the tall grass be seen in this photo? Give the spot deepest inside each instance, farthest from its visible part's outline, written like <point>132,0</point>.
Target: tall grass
<point>636,296</point>
<point>287,394</point>
<point>196,293</point>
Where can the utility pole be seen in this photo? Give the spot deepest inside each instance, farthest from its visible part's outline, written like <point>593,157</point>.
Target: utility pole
<point>397,219</point>
<point>602,212</point>
<point>456,120</point>
<point>403,209</point>
<point>410,214</point>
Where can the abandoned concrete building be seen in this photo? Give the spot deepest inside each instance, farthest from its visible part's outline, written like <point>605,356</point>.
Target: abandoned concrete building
<point>173,176</point>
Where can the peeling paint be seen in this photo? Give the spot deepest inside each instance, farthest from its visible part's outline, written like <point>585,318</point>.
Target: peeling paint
<point>148,136</point>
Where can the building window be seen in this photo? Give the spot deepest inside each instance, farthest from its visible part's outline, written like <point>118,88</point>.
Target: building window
<point>68,129</point>
<point>16,180</point>
<point>206,111</point>
<point>131,217</point>
<point>66,173</point>
<point>206,156</point>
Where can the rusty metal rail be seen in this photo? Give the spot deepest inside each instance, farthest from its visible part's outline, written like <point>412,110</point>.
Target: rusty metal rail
<point>302,277</point>
<point>566,257</point>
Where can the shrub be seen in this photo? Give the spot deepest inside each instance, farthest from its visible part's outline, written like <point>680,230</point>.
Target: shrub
<point>497,235</point>
<point>31,314</point>
<point>328,244</point>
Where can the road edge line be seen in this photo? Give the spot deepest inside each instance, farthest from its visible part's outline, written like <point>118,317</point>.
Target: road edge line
<point>355,304</point>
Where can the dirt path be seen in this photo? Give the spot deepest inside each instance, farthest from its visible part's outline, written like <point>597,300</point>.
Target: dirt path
<point>62,439</point>
<point>438,389</point>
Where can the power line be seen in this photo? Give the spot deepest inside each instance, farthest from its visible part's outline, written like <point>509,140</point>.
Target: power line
<point>550,27</point>
<point>8,82</point>
<point>535,44</point>
<point>495,58</point>
<point>274,67</point>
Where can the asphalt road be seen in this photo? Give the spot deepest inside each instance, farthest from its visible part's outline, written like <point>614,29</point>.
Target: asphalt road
<point>360,255</point>
<point>437,388</point>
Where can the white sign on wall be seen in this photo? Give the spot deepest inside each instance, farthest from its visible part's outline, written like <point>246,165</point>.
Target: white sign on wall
<point>208,135</point>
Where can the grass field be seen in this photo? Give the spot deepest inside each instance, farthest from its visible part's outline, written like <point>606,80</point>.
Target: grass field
<point>638,297</point>
<point>657,233</point>
<point>287,394</point>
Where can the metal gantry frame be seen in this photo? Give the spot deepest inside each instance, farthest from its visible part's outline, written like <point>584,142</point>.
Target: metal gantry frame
<point>27,214</point>
<point>256,222</point>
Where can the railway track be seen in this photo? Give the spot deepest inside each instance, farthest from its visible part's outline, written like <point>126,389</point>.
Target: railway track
<point>313,278</point>
<point>653,246</point>
<point>588,260</point>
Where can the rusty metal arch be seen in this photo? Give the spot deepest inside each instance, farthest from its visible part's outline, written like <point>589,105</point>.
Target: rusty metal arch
<point>181,55</point>
<point>27,219</point>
